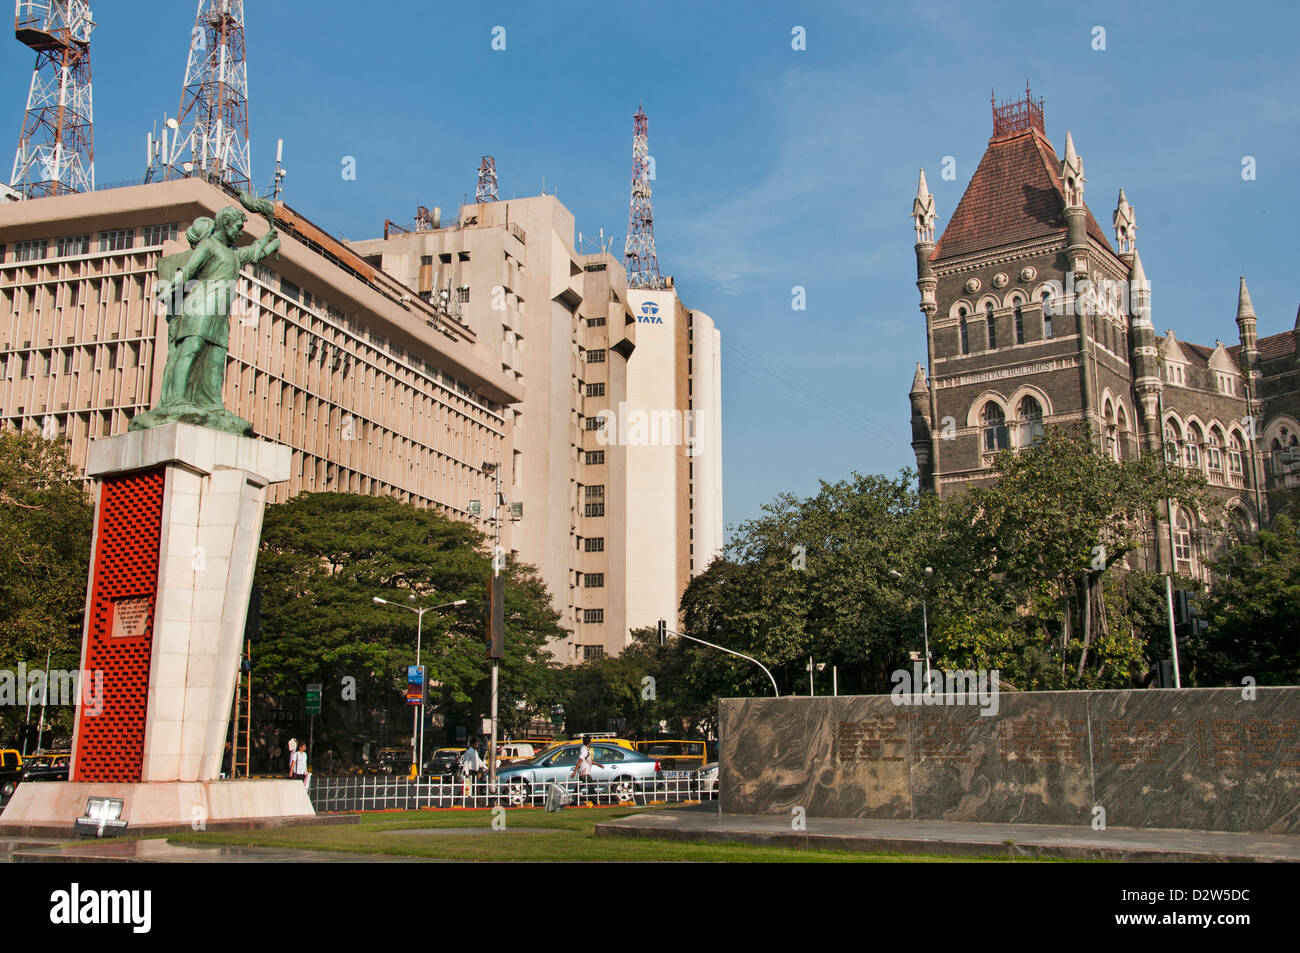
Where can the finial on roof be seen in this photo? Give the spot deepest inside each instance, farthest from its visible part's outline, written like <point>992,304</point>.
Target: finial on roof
<point>1244,307</point>
<point>919,385</point>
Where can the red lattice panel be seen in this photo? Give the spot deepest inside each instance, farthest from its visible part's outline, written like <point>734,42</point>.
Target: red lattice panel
<point>110,745</point>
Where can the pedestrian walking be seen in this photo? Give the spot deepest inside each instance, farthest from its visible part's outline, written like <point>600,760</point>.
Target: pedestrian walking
<point>582,769</point>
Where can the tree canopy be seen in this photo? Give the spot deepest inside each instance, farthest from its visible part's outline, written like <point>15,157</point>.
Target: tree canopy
<point>45,523</point>
<point>326,556</point>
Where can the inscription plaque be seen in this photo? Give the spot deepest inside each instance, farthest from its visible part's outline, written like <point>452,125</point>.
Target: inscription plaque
<point>130,616</point>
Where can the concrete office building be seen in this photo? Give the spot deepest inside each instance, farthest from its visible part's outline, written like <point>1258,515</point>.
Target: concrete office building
<point>672,428</point>
<point>373,388</point>
<point>607,521</point>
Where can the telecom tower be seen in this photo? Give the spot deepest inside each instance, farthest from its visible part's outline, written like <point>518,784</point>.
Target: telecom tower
<point>212,124</point>
<point>639,246</point>
<point>56,151</point>
<point>487,181</point>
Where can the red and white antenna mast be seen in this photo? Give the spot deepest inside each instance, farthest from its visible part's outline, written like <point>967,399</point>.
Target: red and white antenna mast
<point>639,246</point>
<point>56,150</point>
<point>211,128</point>
<point>487,181</point>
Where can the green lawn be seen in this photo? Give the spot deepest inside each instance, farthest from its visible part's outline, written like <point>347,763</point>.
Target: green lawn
<point>569,836</point>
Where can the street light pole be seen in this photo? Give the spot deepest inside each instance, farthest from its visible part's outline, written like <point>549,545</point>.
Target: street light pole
<point>925,613</point>
<point>417,726</point>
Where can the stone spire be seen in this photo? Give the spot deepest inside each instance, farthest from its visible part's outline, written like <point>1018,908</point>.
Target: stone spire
<point>1125,220</point>
<point>922,427</point>
<point>1249,345</point>
<point>1072,174</point>
<point>1143,356</point>
<point>923,211</point>
<point>924,442</point>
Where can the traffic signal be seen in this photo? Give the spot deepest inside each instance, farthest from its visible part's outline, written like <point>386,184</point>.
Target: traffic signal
<point>496,617</point>
<point>663,632</point>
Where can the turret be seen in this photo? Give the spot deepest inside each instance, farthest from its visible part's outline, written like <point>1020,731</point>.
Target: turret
<point>1125,220</point>
<point>922,425</point>
<point>923,216</point>
<point>1076,213</point>
<point>1143,356</point>
<point>1249,346</point>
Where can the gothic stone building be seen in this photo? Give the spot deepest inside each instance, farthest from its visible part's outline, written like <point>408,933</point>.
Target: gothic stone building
<point>1033,318</point>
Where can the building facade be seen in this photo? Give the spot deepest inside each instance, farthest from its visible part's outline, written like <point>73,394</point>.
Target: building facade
<point>672,429</point>
<point>590,363</point>
<point>375,391</point>
<point>1033,318</point>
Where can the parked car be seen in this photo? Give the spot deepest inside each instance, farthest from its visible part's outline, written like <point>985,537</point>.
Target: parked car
<point>442,766</point>
<point>619,773</point>
<point>706,781</point>
<point>512,752</point>
<point>675,755</point>
<point>11,771</point>
<point>394,760</point>
<point>49,766</point>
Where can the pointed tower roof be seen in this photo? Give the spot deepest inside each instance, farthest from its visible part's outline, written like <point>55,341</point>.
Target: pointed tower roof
<point>1244,308</point>
<point>1137,274</point>
<point>922,190</point>
<point>1015,195</point>
<point>1071,157</point>
<point>919,385</point>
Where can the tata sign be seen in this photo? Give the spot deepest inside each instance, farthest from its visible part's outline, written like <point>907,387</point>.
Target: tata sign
<point>649,314</point>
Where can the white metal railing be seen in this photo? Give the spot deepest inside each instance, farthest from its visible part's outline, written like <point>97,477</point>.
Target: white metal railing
<point>335,793</point>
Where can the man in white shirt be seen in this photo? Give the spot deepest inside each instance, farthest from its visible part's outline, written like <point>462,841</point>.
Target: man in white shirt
<point>300,763</point>
<point>582,770</point>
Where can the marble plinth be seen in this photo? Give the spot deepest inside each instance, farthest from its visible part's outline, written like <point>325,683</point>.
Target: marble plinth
<point>177,526</point>
<point>54,806</point>
<point>1203,759</point>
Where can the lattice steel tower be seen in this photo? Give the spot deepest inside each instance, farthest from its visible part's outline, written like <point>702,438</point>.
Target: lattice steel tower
<point>639,246</point>
<point>212,124</point>
<point>487,181</point>
<point>56,150</point>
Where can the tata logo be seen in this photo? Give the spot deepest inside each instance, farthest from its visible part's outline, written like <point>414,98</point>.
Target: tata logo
<point>649,314</point>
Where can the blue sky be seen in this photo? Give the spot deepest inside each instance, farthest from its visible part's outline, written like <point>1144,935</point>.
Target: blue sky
<point>774,167</point>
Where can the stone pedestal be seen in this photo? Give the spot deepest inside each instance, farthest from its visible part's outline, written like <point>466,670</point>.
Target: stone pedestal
<point>178,518</point>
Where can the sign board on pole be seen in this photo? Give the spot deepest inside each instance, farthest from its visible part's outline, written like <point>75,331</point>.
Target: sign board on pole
<point>313,698</point>
<point>415,684</point>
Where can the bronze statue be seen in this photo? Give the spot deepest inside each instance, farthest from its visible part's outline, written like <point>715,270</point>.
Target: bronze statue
<point>199,286</point>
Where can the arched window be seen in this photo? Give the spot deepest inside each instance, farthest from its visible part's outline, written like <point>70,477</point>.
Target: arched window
<point>1236,448</point>
<point>1286,451</point>
<point>994,422</point>
<point>1173,444</point>
<point>1047,315</point>
<point>1183,541</point>
<point>1214,455</point>
<point>1193,449</point>
<point>1121,427</point>
<point>1020,325</point>
<point>963,331</point>
<point>1030,413</point>
<point>993,328</point>
<point>1108,421</point>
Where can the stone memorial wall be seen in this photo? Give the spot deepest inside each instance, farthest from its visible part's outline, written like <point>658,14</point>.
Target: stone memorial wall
<point>1201,759</point>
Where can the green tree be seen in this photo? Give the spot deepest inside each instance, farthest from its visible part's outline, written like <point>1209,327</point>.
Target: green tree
<point>324,558</point>
<point>1254,613</point>
<point>1034,558</point>
<point>45,522</point>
